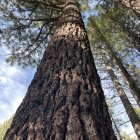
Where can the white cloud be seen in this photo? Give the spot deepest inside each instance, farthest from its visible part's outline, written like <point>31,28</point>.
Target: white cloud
<point>13,85</point>
<point>10,96</point>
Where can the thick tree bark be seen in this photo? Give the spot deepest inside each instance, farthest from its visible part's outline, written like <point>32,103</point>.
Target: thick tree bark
<point>134,119</point>
<point>65,100</point>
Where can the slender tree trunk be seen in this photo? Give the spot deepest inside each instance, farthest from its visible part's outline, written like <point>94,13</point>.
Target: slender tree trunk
<point>134,87</point>
<point>134,119</point>
<point>131,82</point>
<point>65,100</point>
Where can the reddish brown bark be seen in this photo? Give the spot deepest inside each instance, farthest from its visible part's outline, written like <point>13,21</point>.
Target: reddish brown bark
<point>65,100</point>
<point>134,119</point>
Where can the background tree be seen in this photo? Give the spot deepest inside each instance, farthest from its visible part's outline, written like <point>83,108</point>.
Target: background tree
<point>108,46</point>
<point>123,20</point>
<point>134,119</point>
<point>108,34</point>
<point>4,127</point>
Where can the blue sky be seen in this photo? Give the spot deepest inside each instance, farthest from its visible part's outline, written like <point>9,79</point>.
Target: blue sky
<point>14,81</point>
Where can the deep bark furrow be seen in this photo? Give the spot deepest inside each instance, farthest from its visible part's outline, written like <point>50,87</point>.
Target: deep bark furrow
<point>84,131</point>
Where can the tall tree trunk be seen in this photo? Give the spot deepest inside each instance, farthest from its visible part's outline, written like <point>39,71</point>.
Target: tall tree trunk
<point>134,119</point>
<point>134,87</point>
<point>131,82</point>
<point>65,100</point>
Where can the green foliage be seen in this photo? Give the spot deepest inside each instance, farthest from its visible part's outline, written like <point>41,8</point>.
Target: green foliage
<point>4,127</point>
<point>138,111</point>
<point>126,19</point>
<point>108,28</point>
<point>135,72</point>
<point>84,7</point>
<point>27,27</point>
<point>125,136</point>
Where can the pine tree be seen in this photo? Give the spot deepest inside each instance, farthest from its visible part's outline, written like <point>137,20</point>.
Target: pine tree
<point>123,20</point>
<point>4,127</point>
<point>132,83</point>
<point>134,119</point>
<point>65,99</point>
